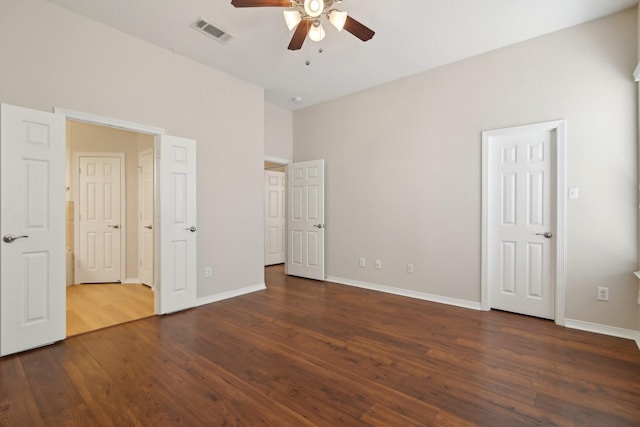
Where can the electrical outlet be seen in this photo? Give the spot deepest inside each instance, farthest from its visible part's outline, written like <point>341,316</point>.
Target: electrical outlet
<point>363,263</point>
<point>208,272</point>
<point>409,268</point>
<point>603,293</point>
<point>378,264</point>
<point>574,193</point>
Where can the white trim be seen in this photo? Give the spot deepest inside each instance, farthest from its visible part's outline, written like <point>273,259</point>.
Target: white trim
<point>230,294</point>
<point>561,220</point>
<point>277,160</point>
<point>407,293</point>
<point>597,328</point>
<point>123,208</point>
<point>131,281</point>
<point>636,73</point>
<point>107,121</point>
<point>560,155</point>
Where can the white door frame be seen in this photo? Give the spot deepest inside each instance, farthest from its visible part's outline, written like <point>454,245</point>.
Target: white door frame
<point>559,168</point>
<point>76,214</point>
<point>130,126</point>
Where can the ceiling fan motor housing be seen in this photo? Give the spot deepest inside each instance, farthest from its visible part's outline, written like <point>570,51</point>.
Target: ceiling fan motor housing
<point>313,8</point>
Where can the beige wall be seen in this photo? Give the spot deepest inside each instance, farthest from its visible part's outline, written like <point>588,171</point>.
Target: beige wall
<point>61,59</point>
<point>403,166</point>
<point>278,132</point>
<point>84,137</point>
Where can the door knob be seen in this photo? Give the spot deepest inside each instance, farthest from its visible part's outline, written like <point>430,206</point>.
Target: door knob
<point>114,226</point>
<point>319,225</point>
<point>191,229</point>
<point>9,238</point>
<point>148,227</point>
<point>548,234</point>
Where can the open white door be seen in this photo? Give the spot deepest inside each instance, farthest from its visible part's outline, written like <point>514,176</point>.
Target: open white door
<point>32,220</point>
<point>274,217</point>
<point>177,230</point>
<point>305,222</point>
<point>145,225</point>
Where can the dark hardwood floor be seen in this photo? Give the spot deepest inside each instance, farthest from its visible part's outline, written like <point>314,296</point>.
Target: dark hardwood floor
<point>305,353</point>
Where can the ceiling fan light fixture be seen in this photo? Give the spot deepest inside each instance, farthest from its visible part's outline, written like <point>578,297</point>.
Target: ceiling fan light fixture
<point>292,18</point>
<point>316,33</point>
<point>313,8</point>
<point>338,19</point>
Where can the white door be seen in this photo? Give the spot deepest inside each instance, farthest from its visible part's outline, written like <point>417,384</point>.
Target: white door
<point>275,218</point>
<point>522,224</point>
<point>145,224</point>
<point>305,222</point>
<point>99,219</point>
<point>177,207</point>
<point>32,278</point>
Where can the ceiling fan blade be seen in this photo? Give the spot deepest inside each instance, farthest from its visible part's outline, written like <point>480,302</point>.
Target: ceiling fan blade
<point>261,3</point>
<point>300,35</point>
<point>359,30</point>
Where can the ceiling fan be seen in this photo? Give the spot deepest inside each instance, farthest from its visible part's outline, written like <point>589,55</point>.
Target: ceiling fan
<point>304,16</point>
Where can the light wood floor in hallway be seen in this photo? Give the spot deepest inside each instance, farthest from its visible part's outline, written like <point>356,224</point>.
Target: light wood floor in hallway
<point>97,306</point>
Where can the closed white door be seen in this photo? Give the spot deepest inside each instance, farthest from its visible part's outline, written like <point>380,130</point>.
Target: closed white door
<point>177,201</point>
<point>99,219</point>
<point>522,221</point>
<point>32,278</point>
<point>305,222</point>
<point>275,218</point>
<point>145,225</point>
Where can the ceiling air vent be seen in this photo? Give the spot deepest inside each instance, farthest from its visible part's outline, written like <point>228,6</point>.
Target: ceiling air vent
<point>212,31</point>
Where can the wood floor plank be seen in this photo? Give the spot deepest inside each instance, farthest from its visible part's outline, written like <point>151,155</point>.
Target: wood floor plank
<point>56,395</point>
<point>95,306</point>
<point>17,403</point>
<point>307,353</point>
<point>139,377</point>
<point>96,387</point>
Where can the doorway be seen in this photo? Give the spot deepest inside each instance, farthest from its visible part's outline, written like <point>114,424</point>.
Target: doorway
<point>104,275</point>
<point>523,189</point>
<point>275,213</point>
<point>301,208</point>
<point>32,287</point>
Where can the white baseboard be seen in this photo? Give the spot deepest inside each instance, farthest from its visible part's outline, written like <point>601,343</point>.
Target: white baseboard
<point>597,328</point>
<point>230,294</point>
<point>131,280</point>
<point>407,293</point>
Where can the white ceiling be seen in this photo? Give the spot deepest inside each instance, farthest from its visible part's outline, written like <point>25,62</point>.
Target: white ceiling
<point>411,37</point>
